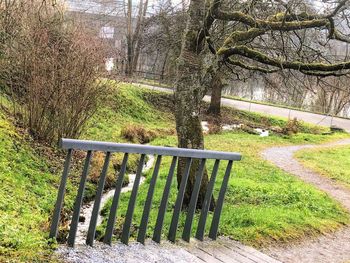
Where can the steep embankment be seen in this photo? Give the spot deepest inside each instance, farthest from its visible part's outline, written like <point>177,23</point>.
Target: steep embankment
<point>27,196</point>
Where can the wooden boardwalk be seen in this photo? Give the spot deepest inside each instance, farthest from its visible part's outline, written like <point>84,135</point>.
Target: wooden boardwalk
<point>225,250</point>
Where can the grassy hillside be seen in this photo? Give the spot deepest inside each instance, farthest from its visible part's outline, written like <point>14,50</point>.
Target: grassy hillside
<point>127,106</point>
<point>30,172</point>
<point>27,194</point>
<point>263,204</point>
<point>333,163</point>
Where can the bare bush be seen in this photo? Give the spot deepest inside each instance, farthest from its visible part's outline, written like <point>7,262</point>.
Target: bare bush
<point>292,127</point>
<point>50,68</point>
<point>138,134</point>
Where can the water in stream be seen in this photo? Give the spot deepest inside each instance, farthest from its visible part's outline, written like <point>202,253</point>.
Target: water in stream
<point>86,209</point>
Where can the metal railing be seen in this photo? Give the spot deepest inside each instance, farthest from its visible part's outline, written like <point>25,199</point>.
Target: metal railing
<point>143,150</point>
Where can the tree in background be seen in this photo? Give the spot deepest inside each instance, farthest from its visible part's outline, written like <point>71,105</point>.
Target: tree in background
<point>251,47</point>
<point>161,41</point>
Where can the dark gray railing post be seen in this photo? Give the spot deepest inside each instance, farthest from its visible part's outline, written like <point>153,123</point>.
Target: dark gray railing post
<point>60,196</point>
<point>96,209</point>
<point>179,200</point>
<point>206,204</point>
<point>164,203</point>
<point>217,212</point>
<point>188,156</point>
<point>147,208</point>
<point>113,212</point>
<point>78,201</point>
<point>193,202</point>
<point>132,201</point>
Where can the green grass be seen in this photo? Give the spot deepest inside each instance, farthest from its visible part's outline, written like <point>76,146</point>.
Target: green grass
<point>263,204</point>
<point>27,196</point>
<point>333,163</point>
<point>29,181</point>
<point>125,105</point>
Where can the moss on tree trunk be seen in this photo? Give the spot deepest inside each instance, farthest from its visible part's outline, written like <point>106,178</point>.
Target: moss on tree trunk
<point>188,96</point>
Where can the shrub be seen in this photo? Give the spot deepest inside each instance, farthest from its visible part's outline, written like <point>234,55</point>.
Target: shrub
<point>113,170</point>
<point>138,134</point>
<point>49,67</point>
<point>291,127</point>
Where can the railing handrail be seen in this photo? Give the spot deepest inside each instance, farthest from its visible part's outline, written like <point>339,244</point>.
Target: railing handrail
<point>109,148</point>
<point>88,145</point>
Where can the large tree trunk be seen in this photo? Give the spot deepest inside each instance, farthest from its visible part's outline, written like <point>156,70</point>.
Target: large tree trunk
<point>188,96</point>
<point>216,90</point>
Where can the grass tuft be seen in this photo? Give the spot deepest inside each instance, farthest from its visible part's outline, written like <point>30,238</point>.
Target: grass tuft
<point>333,162</point>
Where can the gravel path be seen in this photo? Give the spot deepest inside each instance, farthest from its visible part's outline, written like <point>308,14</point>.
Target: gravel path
<point>333,247</point>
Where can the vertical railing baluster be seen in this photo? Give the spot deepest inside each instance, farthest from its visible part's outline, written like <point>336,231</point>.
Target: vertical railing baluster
<point>113,212</point>
<point>78,201</point>
<point>206,203</point>
<point>132,201</point>
<point>164,202</point>
<point>96,209</point>
<point>179,200</point>
<point>147,208</point>
<point>217,213</point>
<point>60,196</point>
<point>193,202</point>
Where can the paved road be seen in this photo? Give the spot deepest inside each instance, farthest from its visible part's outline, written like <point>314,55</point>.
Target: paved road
<point>313,118</point>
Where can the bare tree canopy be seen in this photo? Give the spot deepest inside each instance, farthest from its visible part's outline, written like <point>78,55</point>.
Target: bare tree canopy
<point>262,36</point>
<point>291,25</point>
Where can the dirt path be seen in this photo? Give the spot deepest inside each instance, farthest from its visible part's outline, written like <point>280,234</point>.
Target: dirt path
<point>333,247</point>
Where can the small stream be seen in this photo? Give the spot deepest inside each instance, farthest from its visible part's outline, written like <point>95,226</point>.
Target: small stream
<point>86,209</point>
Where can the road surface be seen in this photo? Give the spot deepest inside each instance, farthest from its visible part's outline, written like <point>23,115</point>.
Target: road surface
<point>318,119</point>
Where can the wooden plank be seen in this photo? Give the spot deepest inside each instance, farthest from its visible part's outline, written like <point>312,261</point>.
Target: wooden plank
<point>245,253</point>
<point>233,254</point>
<point>203,256</point>
<point>213,251</point>
<point>253,253</point>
